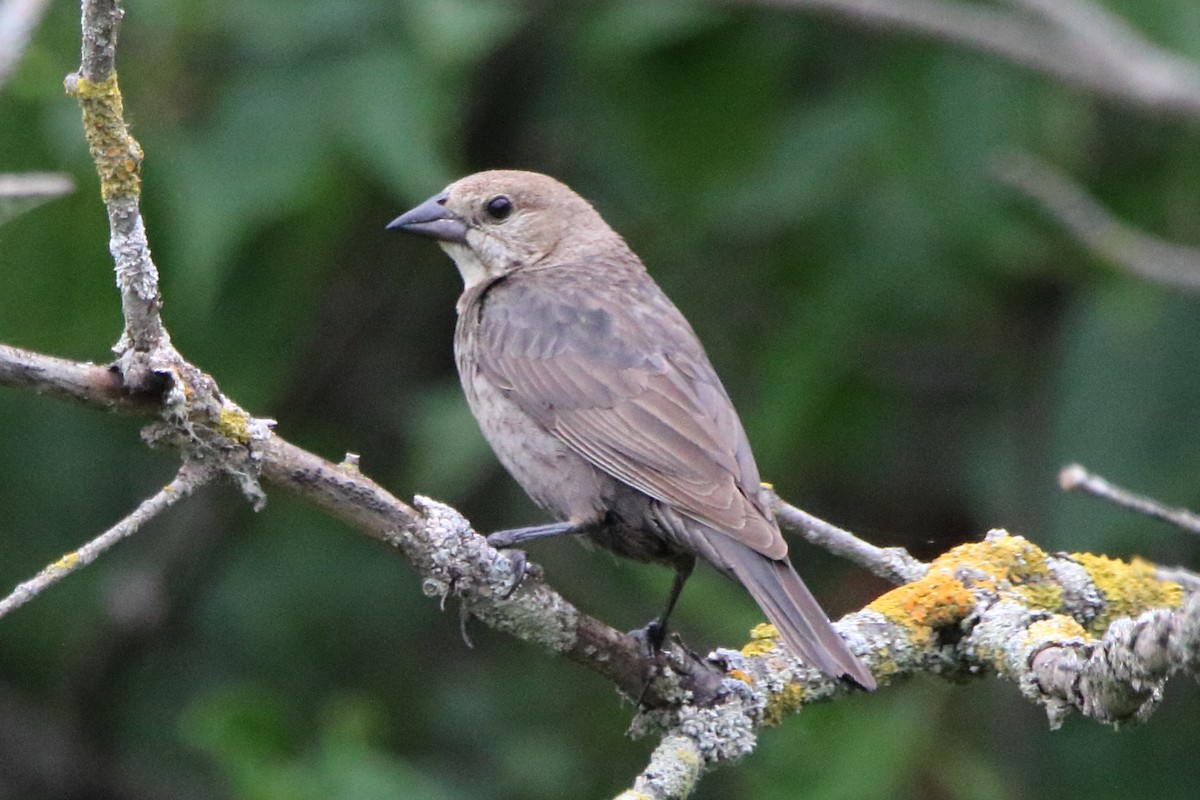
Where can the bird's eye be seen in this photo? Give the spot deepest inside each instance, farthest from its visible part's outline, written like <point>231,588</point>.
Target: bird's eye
<point>499,207</point>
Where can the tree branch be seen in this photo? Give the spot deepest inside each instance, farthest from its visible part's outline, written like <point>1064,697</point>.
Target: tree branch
<point>144,351</point>
<point>983,608</point>
<point>24,191</point>
<point>893,564</point>
<point>452,559</point>
<point>18,20</point>
<point>1096,229</point>
<point>1076,42</point>
<point>1075,478</point>
<point>190,478</point>
<point>1055,625</point>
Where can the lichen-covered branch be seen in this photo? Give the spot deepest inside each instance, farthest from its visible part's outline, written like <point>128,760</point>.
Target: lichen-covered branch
<point>1001,606</point>
<point>144,349</point>
<point>1073,631</point>
<point>674,770</point>
<point>1118,677</point>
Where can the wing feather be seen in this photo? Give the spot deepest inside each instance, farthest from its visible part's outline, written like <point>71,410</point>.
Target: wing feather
<point>610,366</point>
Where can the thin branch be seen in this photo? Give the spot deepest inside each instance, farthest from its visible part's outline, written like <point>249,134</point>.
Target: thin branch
<point>35,185</point>
<point>24,191</point>
<point>89,384</point>
<point>1098,230</point>
<point>144,350</point>
<point>18,20</point>
<point>1075,478</point>
<point>1084,45</point>
<point>893,564</point>
<point>189,478</point>
<point>98,56</point>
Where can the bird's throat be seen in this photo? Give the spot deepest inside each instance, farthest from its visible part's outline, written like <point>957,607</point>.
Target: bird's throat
<point>472,270</point>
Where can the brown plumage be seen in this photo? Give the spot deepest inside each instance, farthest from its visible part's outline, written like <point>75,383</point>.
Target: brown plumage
<point>598,398</point>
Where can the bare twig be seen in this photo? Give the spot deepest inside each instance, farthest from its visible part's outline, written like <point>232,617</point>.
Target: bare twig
<point>893,564</point>
<point>1096,229</point>
<point>189,478</point>
<point>35,185</point>
<point>1076,42</point>
<point>1075,478</point>
<point>18,20</point>
<point>24,191</point>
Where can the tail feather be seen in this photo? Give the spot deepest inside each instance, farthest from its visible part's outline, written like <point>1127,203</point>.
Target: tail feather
<point>791,608</point>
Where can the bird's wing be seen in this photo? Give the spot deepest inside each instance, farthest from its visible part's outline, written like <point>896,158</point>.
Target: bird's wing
<point>610,366</point>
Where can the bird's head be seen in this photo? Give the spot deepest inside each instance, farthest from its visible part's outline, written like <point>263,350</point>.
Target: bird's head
<point>493,223</point>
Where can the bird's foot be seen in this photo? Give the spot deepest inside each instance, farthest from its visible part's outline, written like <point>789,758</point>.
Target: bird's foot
<point>652,636</point>
<point>520,568</point>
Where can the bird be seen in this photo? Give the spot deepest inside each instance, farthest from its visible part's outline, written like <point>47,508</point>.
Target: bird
<point>598,398</point>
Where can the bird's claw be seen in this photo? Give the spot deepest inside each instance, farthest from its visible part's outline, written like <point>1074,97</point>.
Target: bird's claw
<point>520,568</point>
<point>653,635</point>
<point>502,540</point>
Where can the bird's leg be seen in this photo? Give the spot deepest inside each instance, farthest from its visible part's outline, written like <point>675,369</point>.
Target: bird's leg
<point>656,631</point>
<point>503,540</point>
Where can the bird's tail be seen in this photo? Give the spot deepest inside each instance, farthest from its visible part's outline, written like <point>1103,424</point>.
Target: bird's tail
<point>792,609</point>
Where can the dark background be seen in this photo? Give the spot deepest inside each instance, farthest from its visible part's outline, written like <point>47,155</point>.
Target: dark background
<point>915,350</point>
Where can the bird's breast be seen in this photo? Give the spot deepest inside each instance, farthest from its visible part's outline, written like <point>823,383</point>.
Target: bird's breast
<point>554,476</point>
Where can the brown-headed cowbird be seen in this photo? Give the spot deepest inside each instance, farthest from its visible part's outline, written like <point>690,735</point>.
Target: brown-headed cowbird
<point>599,400</point>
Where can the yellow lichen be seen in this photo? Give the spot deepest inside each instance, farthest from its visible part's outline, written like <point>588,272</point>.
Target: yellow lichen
<point>762,640</point>
<point>67,563</point>
<point>232,424</point>
<point>1005,562</point>
<point>117,155</point>
<point>1057,628</point>
<point>935,601</point>
<point>787,700</point>
<point>739,675</point>
<point>947,593</point>
<point>1128,588</point>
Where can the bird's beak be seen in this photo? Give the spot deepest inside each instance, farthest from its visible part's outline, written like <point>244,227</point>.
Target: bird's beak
<point>432,219</point>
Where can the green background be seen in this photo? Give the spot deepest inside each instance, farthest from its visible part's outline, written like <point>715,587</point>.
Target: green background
<point>914,348</point>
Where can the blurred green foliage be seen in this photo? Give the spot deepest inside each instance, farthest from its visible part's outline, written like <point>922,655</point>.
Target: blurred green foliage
<point>914,350</point>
